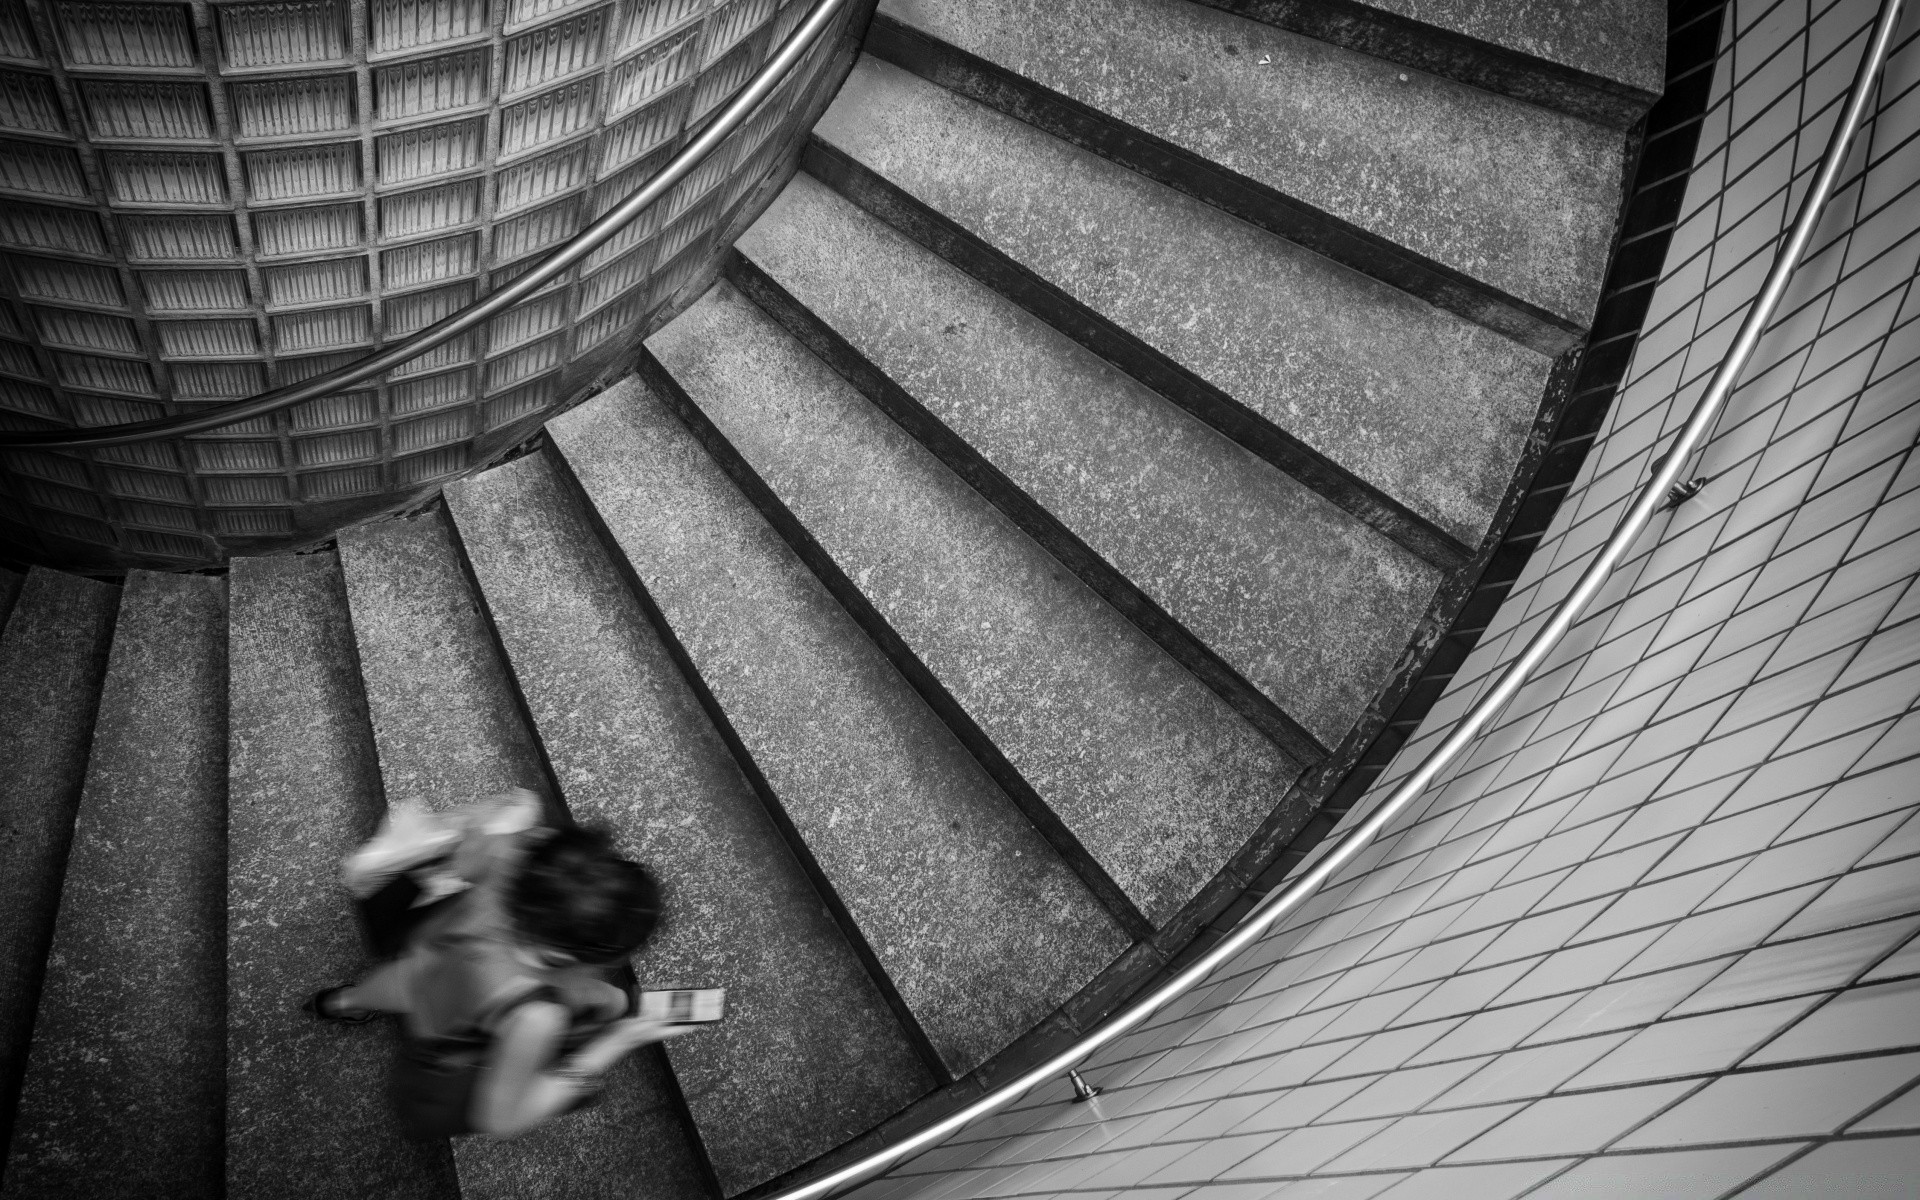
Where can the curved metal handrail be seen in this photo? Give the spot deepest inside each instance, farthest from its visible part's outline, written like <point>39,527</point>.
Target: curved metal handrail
<point>1297,891</point>
<point>586,242</point>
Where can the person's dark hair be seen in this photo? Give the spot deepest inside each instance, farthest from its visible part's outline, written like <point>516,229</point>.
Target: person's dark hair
<point>576,894</point>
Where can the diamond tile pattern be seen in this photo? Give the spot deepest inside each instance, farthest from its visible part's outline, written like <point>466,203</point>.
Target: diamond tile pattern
<point>1655,934</point>
<point>293,183</point>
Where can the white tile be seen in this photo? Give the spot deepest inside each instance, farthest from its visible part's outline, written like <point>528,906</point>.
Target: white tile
<point>1902,962</point>
<point>1691,1046</point>
<point>1807,860</point>
<point>1869,894</point>
<point>1421,1140</point>
<point>1675,1175</point>
<point>1529,1073</point>
<point>1857,797</point>
<point>1405,1090</point>
<point>1579,968</point>
<point>1493,1031</point>
<point>1797,967</point>
<point>1536,935</point>
<point>1878,1016</point>
<point>1662,902</point>
<point>1625,1003</point>
<point>1482,1181</point>
<point>1873,1169</point>
<point>1807,1101</point>
<point>1724,930</point>
<point>1578,1124</point>
<point>1903,1112</point>
<point>1299,1106</point>
<point>1301,1150</point>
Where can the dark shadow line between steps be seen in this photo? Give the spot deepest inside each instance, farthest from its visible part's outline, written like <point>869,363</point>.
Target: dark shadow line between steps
<point>1450,55</point>
<point>879,631</point>
<point>1294,220</point>
<point>1024,511</point>
<point>756,779</point>
<point>35,983</point>
<point>1308,466</point>
<point>560,813</point>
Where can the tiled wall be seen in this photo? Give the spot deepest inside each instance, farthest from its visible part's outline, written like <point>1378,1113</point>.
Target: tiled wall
<point>1653,936</point>
<point>199,201</point>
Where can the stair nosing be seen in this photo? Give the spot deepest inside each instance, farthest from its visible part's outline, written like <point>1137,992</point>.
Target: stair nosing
<point>1446,288</point>
<point>879,197</point>
<point>894,647</point>
<point>1106,580</point>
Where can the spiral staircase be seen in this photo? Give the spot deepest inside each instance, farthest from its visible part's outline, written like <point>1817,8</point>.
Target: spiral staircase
<point>984,582</point>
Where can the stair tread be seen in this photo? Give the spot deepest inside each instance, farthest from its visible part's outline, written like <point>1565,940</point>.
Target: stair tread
<point>53,653</point>
<point>447,729</point>
<point>126,1073</point>
<point>1501,191</point>
<point>1306,602</point>
<point>444,720</point>
<point>1426,407</point>
<point>809,1054</point>
<point>979,924</point>
<point>1623,41</point>
<point>307,1113</point>
<point>1158,779</point>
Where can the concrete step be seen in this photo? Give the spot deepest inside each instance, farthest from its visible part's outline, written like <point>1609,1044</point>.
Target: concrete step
<point>1150,773</point>
<point>306,1102</point>
<point>448,728</point>
<point>810,1054</point>
<point>1409,417</point>
<point>53,653</point>
<point>979,925</point>
<point>1496,210</point>
<point>1602,61</point>
<point>1291,604</point>
<point>126,1078</point>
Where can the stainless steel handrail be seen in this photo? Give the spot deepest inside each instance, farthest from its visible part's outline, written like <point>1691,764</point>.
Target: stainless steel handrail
<point>1297,891</point>
<point>586,242</point>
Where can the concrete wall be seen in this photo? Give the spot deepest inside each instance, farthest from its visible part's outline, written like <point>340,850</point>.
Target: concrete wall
<point>1653,936</point>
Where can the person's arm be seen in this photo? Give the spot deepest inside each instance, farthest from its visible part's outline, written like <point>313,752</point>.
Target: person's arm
<point>516,1092</point>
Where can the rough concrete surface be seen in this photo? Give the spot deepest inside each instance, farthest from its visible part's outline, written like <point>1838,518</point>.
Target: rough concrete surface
<point>52,655</point>
<point>126,1075</point>
<point>306,1107</point>
<point>1157,778</point>
<point>809,1053</point>
<point>1504,192</point>
<point>443,713</point>
<point>448,731</point>
<point>1621,40</point>
<point>1308,604</point>
<point>980,925</point>
<point>1428,408</point>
